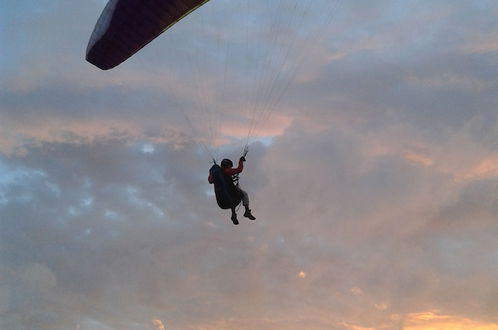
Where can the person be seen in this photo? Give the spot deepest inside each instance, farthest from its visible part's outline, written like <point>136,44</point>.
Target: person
<point>232,175</point>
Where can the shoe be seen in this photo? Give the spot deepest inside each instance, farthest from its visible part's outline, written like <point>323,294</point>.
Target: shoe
<point>234,219</point>
<point>248,214</point>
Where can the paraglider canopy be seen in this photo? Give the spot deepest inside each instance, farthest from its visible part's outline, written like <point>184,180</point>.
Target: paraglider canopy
<point>125,26</point>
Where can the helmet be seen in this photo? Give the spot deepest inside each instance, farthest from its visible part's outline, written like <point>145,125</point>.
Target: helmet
<point>226,163</point>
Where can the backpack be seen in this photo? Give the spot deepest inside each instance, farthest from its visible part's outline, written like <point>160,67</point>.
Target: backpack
<point>227,194</point>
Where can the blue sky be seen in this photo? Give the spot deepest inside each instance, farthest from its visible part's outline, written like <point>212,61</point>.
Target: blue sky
<point>372,171</point>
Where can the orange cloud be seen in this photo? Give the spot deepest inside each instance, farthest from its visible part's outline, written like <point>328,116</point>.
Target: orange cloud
<point>61,130</point>
<point>54,130</point>
<point>418,159</point>
<point>356,291</point>
<point>273,126</point>
<point>381,306</point>
<point>485,168</point>
<point>158,324</point>
<point>433,320</point>
<point>354,327</point>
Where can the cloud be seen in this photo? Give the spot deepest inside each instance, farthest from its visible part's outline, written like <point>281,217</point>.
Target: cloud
<point>375,199</point>
<point>158,324</point>
<point>486,168</point>
<point>436,320</point>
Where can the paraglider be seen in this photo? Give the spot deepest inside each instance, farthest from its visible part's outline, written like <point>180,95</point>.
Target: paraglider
<point>226,186</point>
<point>126,26</point>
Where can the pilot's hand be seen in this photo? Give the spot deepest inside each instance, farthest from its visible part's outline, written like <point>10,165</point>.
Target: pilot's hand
<point>243,158</point>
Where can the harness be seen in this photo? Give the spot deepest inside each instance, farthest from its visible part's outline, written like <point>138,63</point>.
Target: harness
<point>226,187</point>
<point>235,179</point>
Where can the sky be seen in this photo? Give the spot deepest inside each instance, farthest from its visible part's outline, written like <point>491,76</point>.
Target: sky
<point>372,169</point>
